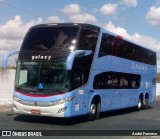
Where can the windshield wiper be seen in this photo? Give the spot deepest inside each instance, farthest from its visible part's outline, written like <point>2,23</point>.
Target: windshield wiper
<point>51,89</point>
<point>26,88</point>
<point>18,87</point>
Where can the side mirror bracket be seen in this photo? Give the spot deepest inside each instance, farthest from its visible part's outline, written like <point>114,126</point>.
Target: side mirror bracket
<point>73,55</point>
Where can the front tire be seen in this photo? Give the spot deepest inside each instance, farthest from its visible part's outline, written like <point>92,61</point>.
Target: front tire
<point>94,111</point>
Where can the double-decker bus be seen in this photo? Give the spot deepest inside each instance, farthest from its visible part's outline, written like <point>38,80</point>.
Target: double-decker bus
<point>74,69</point>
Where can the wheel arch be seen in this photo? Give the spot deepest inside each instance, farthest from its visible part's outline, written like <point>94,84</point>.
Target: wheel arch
<point>141,95</point>
<point>146,95</point>
<point>95,97</point>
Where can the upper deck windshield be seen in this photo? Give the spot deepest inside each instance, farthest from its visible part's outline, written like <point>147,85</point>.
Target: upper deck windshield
<point>50,37</point>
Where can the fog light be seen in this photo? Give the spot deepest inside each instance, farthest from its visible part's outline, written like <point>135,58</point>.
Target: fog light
<point>16,99</point>
<point>62,110</point>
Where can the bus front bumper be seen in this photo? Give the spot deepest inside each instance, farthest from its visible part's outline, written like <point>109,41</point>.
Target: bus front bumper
<point>53,111</point>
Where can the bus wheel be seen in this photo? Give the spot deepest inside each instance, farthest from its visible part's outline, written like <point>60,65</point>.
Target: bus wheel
<point>139,106</point>
<point>145,103</point>
<point>94,112</point>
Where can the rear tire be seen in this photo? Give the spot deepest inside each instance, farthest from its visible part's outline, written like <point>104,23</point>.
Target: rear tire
<point>139,106</point>
<point>94,111</point>
<point>145,103</point>
<point>98,110</point>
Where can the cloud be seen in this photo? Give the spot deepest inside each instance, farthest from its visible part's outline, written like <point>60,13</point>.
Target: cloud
<point>153,16</point>
<point>83,17</point>
<point>12,34</point>
<point>143,40</point>
<point>129,3</point>
<point>71,9</point>
<point>15,29</point>
<point>118,30</point>
<point>146,41</point>
<point>54,19</point>
<point>109,9</point>
<point>76,15</point>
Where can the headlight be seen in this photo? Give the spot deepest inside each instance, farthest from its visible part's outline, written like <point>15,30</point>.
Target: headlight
<point>16,98</point>
<point>62,101</point>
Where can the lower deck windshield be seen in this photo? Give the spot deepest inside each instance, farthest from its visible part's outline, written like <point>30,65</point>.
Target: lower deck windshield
<point>42,77</point>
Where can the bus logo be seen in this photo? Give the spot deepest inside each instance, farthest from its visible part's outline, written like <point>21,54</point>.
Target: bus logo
<point>35,103</point>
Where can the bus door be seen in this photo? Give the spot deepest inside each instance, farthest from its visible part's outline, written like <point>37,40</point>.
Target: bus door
<point>78,76</point>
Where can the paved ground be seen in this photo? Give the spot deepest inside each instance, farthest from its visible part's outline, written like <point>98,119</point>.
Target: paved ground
<point>126,119</point>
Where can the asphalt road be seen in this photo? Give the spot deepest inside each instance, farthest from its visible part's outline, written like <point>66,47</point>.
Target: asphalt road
<point>126,119</point>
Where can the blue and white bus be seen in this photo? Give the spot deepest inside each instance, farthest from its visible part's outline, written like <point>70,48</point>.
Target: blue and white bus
<point>74,69</point>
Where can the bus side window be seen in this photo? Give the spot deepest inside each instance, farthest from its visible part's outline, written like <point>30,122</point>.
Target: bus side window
<point>116,80</point>
<point>133,84</point>
<point>79,78</point>
<point>88,39</point>
<point>102,50</point>
<point>106,47</point>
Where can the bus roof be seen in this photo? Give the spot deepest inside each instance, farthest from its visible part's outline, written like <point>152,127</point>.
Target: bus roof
<point>86,24</point>
<point>67,24</point>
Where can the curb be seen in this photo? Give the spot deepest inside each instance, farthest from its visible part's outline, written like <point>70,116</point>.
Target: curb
<point>158,97</point>
<point>5,105</point>
<point>5,108</point>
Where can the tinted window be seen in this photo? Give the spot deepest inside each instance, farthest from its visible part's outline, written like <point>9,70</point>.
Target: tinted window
<point>111,45</point>
<point>80,72</point>
<point>47,38</point>
<point>116,80</point>
<point>88,38</point>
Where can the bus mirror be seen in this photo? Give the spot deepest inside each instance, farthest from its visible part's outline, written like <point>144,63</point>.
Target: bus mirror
<point>5,58</point>
<point>73,55</point>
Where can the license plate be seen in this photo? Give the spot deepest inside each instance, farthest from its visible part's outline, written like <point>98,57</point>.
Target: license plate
<point>35,111</point>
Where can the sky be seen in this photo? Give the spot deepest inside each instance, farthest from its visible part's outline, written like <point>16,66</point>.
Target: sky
<point>136,20</point>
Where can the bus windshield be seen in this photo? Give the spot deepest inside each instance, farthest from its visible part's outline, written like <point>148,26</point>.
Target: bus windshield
<point>42,77</point>
<point>49,38</point>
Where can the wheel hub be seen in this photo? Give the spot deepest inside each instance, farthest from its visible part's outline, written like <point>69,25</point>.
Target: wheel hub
<point>139,104</point>
<point>93,109</point>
